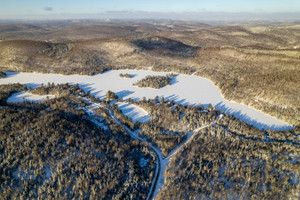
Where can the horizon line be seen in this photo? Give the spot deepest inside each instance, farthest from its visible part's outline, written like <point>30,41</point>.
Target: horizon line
<point>138,15</point>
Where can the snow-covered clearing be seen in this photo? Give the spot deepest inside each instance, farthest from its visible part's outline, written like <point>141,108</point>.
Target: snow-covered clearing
<point>185,89</point>
<point>135,135</point>
<point>134,112</point>
<point>21,96</point>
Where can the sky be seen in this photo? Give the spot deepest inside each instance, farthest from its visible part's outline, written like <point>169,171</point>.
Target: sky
<point>78,9</point>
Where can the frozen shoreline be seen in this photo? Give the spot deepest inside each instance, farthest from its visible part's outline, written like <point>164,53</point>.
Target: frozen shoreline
<point>134,112</point>
<point>185,89</point>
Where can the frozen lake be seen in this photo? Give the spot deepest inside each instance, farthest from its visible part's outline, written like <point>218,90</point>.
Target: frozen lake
<point>185,89</point>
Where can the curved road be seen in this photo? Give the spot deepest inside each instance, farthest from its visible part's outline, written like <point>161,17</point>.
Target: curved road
<point>162,162</point>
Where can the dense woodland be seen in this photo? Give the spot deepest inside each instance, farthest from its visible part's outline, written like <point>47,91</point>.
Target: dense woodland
<point>155,82</point>
<point>229,159</point>
<point>171,122</point>
<point>52,150</point>
<point>220,165</point>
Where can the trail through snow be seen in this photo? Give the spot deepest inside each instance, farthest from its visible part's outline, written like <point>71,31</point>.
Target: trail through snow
<point>162,163</point>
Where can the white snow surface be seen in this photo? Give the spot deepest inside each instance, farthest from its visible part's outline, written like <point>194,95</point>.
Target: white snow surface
<point>20,96</point>
<point>185,89</point>
<point>134,112</point>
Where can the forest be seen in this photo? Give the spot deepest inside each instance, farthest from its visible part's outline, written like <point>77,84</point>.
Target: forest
<point>220,165</point>
<point>52,150</point>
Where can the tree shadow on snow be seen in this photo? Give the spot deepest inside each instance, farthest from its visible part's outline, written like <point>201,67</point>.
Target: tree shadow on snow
<point>124,93</point>
<point>254,122</point>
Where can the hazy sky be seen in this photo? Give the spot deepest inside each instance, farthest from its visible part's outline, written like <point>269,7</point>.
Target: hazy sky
<point>54,9</point>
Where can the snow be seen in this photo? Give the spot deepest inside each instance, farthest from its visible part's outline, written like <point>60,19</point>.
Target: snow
<point>185,89</point>
<point>166,161</point>
<point>143,162</point>
<point>96,119</point>
<point>48,172</point>
<point>161,163</point>
<point>134,112</point>
<point>20,96</point>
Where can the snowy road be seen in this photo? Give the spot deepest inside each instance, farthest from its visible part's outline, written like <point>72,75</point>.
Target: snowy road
<point>134,135</point>
<point>162,163</point>
<point>165,161</point>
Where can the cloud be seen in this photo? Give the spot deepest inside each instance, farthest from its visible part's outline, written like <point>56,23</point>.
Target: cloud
<point>48,8</point>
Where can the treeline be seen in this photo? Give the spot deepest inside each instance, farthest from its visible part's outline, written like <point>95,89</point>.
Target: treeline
<point>175,68</point>
<point>220,165</point>
<point>155,82</point>
<point>52,150</point>
<point>7,90</point>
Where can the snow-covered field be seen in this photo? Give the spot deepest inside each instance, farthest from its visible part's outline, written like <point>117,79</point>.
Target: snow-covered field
<point>21,96</point>
<point>134,112</point>
<point>185,89</point>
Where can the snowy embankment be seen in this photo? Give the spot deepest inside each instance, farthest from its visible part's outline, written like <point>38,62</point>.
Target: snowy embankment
<point>21,96</point>
<point>134,112</point>
<point>185,89</point>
